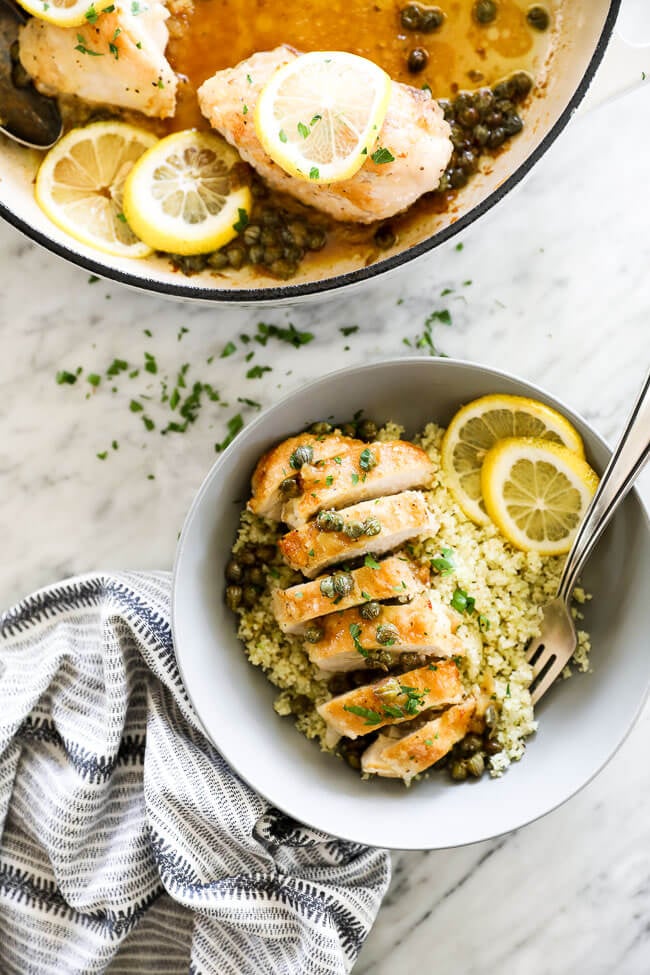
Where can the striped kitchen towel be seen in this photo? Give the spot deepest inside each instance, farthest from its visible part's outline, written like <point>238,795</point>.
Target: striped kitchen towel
<point>128,845</point>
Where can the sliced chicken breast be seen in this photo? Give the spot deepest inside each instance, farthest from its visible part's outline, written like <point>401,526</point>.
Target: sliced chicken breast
<point>421,626</point>
<point>414,130</point>
<point>395,578</point>
<point>386,524</point>
<point>357,474</point>
<point>392,700</point>
<point>117,60</point>
<point>282,463</point>
<point>406,756</point>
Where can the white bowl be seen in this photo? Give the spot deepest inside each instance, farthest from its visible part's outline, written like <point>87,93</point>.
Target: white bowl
<point>582,722</point>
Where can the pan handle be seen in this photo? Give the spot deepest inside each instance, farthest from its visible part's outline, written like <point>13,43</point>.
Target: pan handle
<point>624,67</point>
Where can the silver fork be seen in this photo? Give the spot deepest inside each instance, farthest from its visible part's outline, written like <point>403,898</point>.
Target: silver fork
<point>554,647</point>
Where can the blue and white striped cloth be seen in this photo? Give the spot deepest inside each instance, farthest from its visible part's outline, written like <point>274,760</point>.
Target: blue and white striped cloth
<point>128,845</point>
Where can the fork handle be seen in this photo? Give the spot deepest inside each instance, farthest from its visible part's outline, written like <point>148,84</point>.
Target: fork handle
<point>625,465</point>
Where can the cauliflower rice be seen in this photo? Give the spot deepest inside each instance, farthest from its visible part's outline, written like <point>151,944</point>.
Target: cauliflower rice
<point>509,587</point>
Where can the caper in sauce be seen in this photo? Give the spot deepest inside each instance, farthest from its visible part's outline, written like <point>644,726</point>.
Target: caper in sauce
<point>234,571</point>
<point>320,428</point>
<point>484,11</point>
<point>327,587</point>
<point>313,634</point>
<point>301,455</point>
<point>354,529</point>
<point>343,583</point>
<point>417,60</point>
<point>370,611</point>
<point>367,430</point>
<point>233,596</point>
<point>290,488</point>
<point>387,634</point>
<point>538,17</point>
<point>329,520</point>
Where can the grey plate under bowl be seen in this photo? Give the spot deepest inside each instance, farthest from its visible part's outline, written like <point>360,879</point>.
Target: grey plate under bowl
<point>582,722</point>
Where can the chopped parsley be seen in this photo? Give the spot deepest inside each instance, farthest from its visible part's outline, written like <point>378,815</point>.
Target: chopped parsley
<point>314,172</point>
<point>242,222</point>
<point>355,633</point>
<point>91,14</point>
<point>256,372</point>
<point>367,460</point>
<point>372,717</point>
<point>444,563</point>
<point>228,349</point>
<point>235,424</point>
<point>150,363</point>
<point>244,110</point>
<point>249,402</point>
<point>303,129</point>
<point>329,480</point>
<point>346,330</point>
<point>81,47</point>
<point>371,563</point>
<point>135,407</point>
<point>63,376</point>
<point>289,334</point>
<point>381,156</point>
<point>355,478</point>
<point>282,135</point>
<point>462,602</point>
<point>483,623</point>
<point>103,455</point>
<point>93,379</point>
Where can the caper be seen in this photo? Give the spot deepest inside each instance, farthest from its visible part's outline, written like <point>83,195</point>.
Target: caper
<point>367,430</point>
<point>217,260</point>
<point>256,254</point>
<point>320,428</point>
<point>522,85</point>
<point>272,254</point>
<point>301,455</point>
<point>417,60</point>
<point>349,429</point>
<point>329,521</point>
<point>380,659</point>
<point>411,17</point>
<point>484,11</point>
<point>252,233</point>
<point>387,634</point>
<point>327,587</point>
<point>290,488</point>
<point>233,596</point>
<point>476,765</point>
<point>538,17</point>
<point>493,118</point>
<point>483,100</point>
<point>388,690</point>
<point>234,571</point>
<point>458,771</point>
<point>246,557</point>
<point>469,745</point>
<point>236,256</point>
<point>372,526</point>
<point>256,576</point>
<point>354,529</point>
<point>497,137</point>
<point>469,117</point>
<point>467,161</point>
<point>370,611</point>
<point>353,760</point>
<point>343,583</point>
<point>481,135</point>
<point>271,218</point>
<point>409,659</point>
<point>313,634</point>
<point>431,18</point>
<point>491,746</point>
<point>282,268</point>
<point>251,596</point>
<point>385,236</point>
<point>265,553</point>
<point>457,178</point>
<point>316,239</point>
<point>513,124</point>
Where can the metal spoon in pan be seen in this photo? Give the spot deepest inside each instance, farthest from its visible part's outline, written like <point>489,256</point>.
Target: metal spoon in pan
<point>25,115</point>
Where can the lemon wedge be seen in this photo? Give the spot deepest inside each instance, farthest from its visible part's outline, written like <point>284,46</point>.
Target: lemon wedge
<point>319,116</point>
<point>479,425</point>
<point>65,13</point>
<point>183,197</point>
<point>537,493</point>
<point>81,181</point>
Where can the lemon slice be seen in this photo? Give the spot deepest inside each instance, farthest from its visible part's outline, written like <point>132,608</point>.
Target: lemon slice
<point>477,427</point>
<point>537,492</point>
<point>183,197</point>
<point>319,116</point>
<point>65,13</point>
<point>81,180</point>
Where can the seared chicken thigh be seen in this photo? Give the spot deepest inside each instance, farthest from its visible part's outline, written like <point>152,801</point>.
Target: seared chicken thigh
<point>414,131</point>
<point>117,60</point>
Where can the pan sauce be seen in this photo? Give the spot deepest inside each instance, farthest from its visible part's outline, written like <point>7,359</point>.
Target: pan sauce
<point>209,35</point>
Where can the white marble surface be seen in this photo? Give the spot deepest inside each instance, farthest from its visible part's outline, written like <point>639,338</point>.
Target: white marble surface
<point>560,294</point>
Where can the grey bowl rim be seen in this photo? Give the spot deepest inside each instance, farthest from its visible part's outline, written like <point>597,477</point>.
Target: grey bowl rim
<point>420,362</point>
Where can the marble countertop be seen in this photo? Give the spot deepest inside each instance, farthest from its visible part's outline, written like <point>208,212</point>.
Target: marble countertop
<point>560,294</point>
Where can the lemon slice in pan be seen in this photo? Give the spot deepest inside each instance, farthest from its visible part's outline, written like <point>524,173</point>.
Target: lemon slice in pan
<point>319,117</point>
<point>184,197</point>
<point>537,493</point>
<point>81,181</point>
<point>479,425</point>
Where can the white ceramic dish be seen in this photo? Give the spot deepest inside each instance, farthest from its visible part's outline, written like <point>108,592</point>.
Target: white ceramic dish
<point>583,721</point>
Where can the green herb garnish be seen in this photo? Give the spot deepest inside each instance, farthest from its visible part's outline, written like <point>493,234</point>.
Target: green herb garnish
<point>235,424</point>
<point>228,349</point>
<point>372,717</point>
<point>355,633</point>
<point>371,563</point>
<point>462,602</point>
<point>63,376</point>
<point>242,222</point>
<point>303,129</point>
<point>367,460</point>
<point>314,172</point>
<point>444,564</point>
<point>381,156</point>
<point>256,372</point>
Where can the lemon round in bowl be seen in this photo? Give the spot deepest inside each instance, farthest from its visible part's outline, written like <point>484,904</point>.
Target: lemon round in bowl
<point>479,425</point>
<point>320,115</point>
<point>80,185</point>
<point>234,700</point>
<point>183,196</point>
<point>537,493</point>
